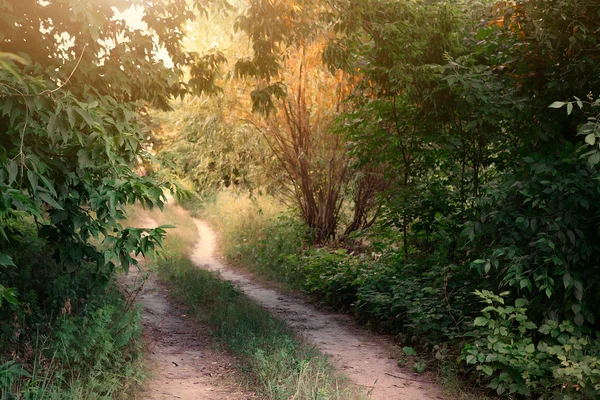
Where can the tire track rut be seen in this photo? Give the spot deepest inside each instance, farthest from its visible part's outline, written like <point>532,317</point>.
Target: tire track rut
<point>366,359</point>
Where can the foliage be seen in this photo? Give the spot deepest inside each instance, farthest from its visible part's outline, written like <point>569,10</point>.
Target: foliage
<point>451,120</point>
<point>543,223</point>
<point>72,335</point>
<point>299,100</point>
<point>560,361</point>
<point>76,80</point>
<point>212,149</point>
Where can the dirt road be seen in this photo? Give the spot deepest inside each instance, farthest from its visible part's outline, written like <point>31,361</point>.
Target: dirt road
<point>364,358</point>
<point>182,360</point>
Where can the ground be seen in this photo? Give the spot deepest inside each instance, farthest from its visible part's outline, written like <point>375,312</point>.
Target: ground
<point>187,366</point>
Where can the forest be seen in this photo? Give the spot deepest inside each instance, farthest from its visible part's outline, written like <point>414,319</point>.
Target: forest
<point>429,167</point>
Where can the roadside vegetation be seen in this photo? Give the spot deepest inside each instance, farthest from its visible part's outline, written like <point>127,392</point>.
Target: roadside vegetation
<point>433,171</point>
<point>70,337</point>
<point>74,102</point>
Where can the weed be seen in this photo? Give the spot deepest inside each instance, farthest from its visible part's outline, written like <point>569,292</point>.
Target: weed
<point>94,355</point>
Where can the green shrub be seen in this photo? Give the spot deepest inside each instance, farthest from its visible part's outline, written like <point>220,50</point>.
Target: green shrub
<point>332,276</point>
<point>557,360</point>
<point>73,335</point>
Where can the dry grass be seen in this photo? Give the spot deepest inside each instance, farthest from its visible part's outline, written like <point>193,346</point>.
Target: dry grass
<point>181,239</point>
<point>230,212</point>
<point>257,234</point>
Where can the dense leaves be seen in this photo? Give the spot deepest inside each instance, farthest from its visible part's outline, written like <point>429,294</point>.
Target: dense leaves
<point>480,123</point>
<point>76,82</point>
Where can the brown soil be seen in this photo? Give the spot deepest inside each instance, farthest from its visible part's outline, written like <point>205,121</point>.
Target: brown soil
<point>182,360</point>
<point>366,359</point>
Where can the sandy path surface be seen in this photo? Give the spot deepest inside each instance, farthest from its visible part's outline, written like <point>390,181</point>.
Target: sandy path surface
<point>182,360</point>
<point>365,359</point>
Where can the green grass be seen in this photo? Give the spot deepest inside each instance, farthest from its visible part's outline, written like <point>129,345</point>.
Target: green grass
<point>273,360</point>
<point>95,355</point>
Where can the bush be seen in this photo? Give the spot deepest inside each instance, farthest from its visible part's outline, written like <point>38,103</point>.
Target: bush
<point>332,276</point>
<point>72,335</point>
<point>557,360</point>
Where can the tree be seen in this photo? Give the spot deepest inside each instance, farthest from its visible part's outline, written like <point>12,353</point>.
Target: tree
<point>300,100</point>
<point>73,84</point>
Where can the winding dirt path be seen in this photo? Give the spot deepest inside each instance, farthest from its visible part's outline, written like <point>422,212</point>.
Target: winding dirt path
<point>365,359</point>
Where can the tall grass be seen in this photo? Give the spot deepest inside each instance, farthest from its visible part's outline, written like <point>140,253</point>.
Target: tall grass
<point>97,355</point>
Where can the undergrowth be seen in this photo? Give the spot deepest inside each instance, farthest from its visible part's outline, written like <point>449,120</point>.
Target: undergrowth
<point>430,301</point>
<point>70,336</point>
<point>259,236</point>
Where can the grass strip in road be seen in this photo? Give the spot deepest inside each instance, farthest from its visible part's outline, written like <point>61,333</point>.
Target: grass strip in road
<point>276,364</point>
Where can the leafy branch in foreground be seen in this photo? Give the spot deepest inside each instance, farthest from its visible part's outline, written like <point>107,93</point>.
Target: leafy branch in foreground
<point>76,83</point>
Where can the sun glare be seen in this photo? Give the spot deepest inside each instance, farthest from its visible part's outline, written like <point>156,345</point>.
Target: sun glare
<point>133,17</point>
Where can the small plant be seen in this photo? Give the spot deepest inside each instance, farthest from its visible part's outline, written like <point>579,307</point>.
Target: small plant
<point>418,366</point>
<point>516,357</point>
<point>10,373</point>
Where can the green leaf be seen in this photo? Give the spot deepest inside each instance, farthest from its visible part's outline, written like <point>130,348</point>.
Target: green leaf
<point>71,116</point>
<point>85,115</point>
<point>567,280</point>
<point>520,303</point>
<point>571,236</point>
<point>124,262</point>
<point>557,104</point>
<point>52,125</point>
<point>487,267</point>
<point>594,158</point>
<point>167,226</point>
<point>409,351</point>
<point>488,370</point>
<point>578,290</point>
<point>6,260</point>
<point>48,199</point>
<point>10,295</point>
<point>590,139</point>
<point>13,169</point>
<point>481,321</point>
<point>420,367</point>
<point>33,180</point>
<point>569,108</point>
<point>84,158</point>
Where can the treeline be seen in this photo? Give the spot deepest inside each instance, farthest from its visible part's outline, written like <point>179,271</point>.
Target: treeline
<point>451,152</point>
<point>76,83</point>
